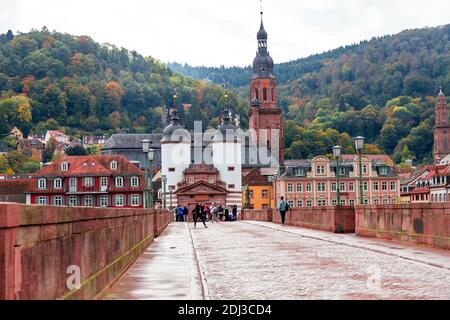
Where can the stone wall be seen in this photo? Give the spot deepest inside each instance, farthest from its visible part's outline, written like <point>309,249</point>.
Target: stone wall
<point>333,219</point>
<point>418,223</point>
<point>256,215</point>
<point>41,248</point>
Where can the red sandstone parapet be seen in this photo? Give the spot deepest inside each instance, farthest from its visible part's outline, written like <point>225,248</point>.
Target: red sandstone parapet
<point>256,215</point>
<point>332,219</point>
<point>418,223</point>
<point>39,243</point>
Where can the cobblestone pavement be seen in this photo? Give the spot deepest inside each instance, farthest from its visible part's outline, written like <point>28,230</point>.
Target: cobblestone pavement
<point>256,260</point>
<point>252,261</point>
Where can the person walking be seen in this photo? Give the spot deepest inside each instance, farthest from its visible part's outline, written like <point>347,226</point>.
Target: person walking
<point>221,213</point>
<point>283,208</point>
<point>234,211</point>
<point>185,214</point>
<point>199,213</point>
<point>179,214</point>
<point>227,214</point>
<point>214,213</point>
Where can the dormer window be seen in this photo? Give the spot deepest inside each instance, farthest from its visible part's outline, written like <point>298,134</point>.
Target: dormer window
<point>64,166</point>
<point>383,171</point>
<point>113,165</point>
<point>191,180</point>
<point>42,183</point>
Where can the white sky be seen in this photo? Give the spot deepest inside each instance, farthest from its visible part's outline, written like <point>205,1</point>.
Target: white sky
<point>216,32</point>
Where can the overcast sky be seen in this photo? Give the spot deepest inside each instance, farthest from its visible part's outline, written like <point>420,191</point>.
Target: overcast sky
<point>223,32</point>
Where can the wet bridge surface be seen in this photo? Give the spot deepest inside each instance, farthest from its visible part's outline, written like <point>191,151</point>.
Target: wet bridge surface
<point>257,260</point>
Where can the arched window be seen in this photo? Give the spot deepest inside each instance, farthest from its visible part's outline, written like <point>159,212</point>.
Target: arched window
<point>265,94</point>
<point>257,93</point>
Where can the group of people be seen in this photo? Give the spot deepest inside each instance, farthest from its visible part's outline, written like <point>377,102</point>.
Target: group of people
<point>204,213</point>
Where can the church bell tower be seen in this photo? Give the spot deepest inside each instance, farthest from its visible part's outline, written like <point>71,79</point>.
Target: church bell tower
<point>265,118</point>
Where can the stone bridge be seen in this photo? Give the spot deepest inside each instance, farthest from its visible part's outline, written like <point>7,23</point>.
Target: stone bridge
<point>323,253</point>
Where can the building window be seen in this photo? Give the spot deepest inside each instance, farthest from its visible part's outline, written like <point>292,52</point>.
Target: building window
<point>351,202</point>
<point>384,186</point>
<point>342,186</point>
<point>376,201</point>
<point>376,186</point>
<point>212,180</point>
<point>88,201</point>
<point>64,166</point>
<point>383,171</point>
<point>265,206</point>
<point>42,183</point>
<point>290,187</point>
<point>351,186</point>
<point>135,200</point>
<point>393,186</point>
<point>191,180</point>
<point>343,202</point>
<point>366,186</point>
<point>57,183</point>
<point>113,165</point>
<point>265,94</point>
<point>119,201</point>
<point>104,201</point>
<point>252,194</point>
<point>299,203</point>
<point>104,183</point>
<point>366,201</point>
<point>58,201</point>
<point>320,170</point>
<point>299,187</point>
<point>119,182</point>
<point>265,193</point>
<point>385,201</point>
<point>334,186</point>
<point>291,203</point>
<point>321,203</point>
<point>43,201</point>
<point>73,201</point>
<point>309,187</point>
<point>309,203</point>
<point>334,202</point>
<point>231,168</point>
<point>134,182</point>
<point>321,187</point>
<point>171,169</point>
<point>299,172</point>
<point>231,186</point>
<point>88,182</point>
<point>342,171</point>
<point>365,169</point>
<point>394,201</point>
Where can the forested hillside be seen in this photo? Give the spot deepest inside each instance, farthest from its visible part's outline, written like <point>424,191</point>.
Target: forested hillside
<point>383,89</point>
<point>51,80</point>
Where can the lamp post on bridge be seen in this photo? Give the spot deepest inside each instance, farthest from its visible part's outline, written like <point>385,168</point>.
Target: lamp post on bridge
<point>359,146</point>
<point>164,181</point>
<point>337,151</point>
<point>148,156</point>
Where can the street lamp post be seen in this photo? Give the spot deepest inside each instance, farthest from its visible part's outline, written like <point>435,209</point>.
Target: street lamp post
<point>151,156</point>
<point>164,181</point>
<point>171,189</point>
<point>146,149</point>
<point>337,151</point>
<point>359,145</point>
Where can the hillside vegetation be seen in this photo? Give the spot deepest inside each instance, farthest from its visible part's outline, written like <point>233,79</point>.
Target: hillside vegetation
<point>51,80</point>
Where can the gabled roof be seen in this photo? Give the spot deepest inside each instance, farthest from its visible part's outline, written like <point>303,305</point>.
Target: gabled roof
<point>90,165</point>
<point>254,178</point>
<point>201,187</point>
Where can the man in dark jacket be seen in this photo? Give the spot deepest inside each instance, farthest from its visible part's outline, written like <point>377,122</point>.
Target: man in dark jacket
<point>185,214</point>
<point>199,212</point>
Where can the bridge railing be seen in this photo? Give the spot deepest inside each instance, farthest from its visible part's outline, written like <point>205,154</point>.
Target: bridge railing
<point>70,253</point>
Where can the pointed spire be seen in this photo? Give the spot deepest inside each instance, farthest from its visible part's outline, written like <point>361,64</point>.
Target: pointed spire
<point>440,90</point>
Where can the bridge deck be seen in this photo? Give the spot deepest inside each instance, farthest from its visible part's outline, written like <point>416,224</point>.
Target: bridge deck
<point>256,260</point>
